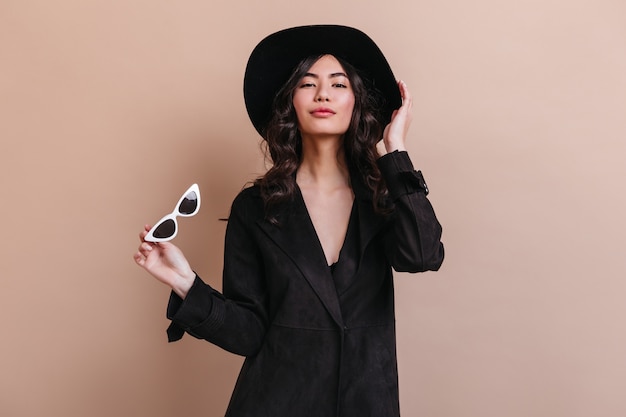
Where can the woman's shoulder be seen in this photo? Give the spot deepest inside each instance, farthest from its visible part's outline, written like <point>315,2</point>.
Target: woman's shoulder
<point>248,201</point>
<point>250,192</point>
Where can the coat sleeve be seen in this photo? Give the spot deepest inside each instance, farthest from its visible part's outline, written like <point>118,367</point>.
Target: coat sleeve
<point>413,236</point>
<point>237,319</point>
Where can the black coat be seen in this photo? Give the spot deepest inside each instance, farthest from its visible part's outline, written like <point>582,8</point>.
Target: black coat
<point>313,349</point>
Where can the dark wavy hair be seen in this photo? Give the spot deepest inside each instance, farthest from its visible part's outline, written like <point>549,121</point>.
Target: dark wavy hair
<point>284,144</point>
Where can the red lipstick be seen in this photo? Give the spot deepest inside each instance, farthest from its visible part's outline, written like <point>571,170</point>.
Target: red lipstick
<point>322,112</point>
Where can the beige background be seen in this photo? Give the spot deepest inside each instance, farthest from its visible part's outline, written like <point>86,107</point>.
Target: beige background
<point>109,110</point>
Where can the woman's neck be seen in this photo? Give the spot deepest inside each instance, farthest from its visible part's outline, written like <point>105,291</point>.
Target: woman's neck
<point>323,164</point>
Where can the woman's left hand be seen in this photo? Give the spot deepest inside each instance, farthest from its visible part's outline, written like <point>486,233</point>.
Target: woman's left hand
<point>394,135</point>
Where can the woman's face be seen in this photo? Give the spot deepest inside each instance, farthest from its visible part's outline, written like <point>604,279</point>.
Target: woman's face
<point>324,99</point>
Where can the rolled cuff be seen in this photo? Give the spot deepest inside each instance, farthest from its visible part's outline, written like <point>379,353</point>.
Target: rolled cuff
<point>400,176</point>
<point>195,310</point>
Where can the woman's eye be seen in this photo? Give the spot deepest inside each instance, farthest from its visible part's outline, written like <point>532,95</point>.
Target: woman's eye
<point>340,85</point>
<point>305,85</point>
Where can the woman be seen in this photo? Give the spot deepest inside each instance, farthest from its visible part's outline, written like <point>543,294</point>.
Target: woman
<point>307,285</point>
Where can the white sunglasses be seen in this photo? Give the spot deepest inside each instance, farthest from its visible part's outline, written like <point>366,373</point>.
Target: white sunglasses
<point>167,228</point>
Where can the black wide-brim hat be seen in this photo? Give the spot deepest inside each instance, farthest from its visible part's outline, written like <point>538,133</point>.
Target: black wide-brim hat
<point>275,58</point>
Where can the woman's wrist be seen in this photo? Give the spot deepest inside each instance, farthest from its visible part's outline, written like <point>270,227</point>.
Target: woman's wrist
<point>384,148</point>
<point>182,286</point>
<point>394,146</point>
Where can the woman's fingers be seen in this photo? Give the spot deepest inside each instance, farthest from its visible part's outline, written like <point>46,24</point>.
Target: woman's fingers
<point>142,253</point>
<point>407,99</point>
<point>139,259</point>
<point>405,94</point>
<point>145,248</point>
<point>395,132</point>
<point>143,234</point>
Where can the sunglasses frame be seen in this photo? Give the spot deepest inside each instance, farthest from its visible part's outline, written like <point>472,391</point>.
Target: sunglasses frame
<point>173,215</point>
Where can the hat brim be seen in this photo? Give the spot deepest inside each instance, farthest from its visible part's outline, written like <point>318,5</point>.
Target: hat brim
<point>274,59</point>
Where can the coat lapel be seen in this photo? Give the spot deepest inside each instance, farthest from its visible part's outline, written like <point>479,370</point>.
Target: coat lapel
<point>369,222</point>
<point>296,236</point>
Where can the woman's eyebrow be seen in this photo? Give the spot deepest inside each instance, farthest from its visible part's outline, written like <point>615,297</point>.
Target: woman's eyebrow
<point>333,75</point>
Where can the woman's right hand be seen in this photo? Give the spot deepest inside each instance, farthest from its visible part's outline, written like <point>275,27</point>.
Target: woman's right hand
<point>165,262</point>
<point>395,133</point>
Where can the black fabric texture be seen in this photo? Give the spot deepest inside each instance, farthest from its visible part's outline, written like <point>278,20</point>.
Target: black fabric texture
<point>318,342</point>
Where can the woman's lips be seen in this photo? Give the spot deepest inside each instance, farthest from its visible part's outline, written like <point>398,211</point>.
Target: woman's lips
<point>322,112</point>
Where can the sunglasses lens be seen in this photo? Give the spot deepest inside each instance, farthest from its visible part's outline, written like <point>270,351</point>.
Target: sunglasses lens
<point>189,203</point>
<point>165,229</point>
